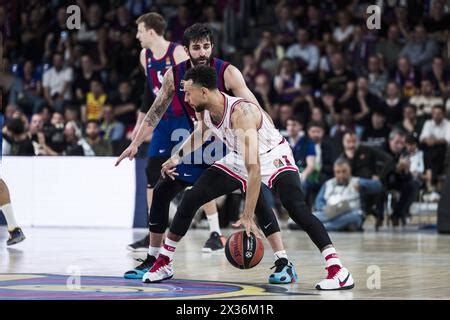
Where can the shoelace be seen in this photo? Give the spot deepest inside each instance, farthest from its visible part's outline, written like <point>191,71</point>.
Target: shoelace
<point>279,266</point>
<point>159,263</point>
<point>332,271</point>
<point>144,263</point>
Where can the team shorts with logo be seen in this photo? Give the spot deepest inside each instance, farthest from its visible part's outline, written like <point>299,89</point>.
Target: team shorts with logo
<point>272,163</point>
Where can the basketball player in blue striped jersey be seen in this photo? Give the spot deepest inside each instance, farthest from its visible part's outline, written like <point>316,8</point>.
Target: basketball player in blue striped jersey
<point>157,56</point>
<point>198,42</point>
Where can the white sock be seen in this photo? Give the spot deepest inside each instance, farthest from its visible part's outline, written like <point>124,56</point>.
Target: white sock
<point>168,249</point>
<point>213,220</point>
<point>9,216</point>
<point>280,254</point>
<point>154,251</point>
<point>331,257</point>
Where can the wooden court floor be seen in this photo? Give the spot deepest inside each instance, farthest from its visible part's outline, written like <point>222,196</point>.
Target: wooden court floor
<point>387,265</point>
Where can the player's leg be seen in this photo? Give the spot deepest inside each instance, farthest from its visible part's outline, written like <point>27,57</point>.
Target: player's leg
<point>216,240</point>
<point>164,192</point>
<point>284,269</point>
<point>288,185</point>
<point>15,232</point>
<point>153,172</point>
<point>212,183</point>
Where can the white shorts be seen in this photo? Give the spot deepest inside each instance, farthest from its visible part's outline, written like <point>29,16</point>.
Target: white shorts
<point>272,163</point>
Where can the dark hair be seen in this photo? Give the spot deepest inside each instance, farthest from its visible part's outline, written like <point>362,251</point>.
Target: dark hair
<point>153,20</point>
<point>296,119</point>
<point>197,32</point>
<point>439,106</point>
<point>16,126</point>
<point>317,124</point>
<point>342,161</point>
<point>92,121</point>
<point>201,75</point>
<point>411,139</point>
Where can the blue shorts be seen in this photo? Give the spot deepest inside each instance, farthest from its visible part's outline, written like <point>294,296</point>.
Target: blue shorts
<point>167,138</point>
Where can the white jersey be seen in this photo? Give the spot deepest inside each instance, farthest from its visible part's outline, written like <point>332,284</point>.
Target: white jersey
<point>275,154</point>
<point>268,136</point>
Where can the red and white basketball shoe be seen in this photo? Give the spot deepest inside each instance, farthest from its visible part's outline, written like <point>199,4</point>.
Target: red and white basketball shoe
<point>339,278</point>
<point>161,270</point>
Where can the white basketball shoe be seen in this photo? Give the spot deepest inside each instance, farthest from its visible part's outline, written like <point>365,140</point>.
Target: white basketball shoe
<point>339,278</point>
<point>160,271</point>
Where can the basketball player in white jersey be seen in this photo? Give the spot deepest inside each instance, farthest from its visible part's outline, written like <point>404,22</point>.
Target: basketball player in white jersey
<point>258,153</point>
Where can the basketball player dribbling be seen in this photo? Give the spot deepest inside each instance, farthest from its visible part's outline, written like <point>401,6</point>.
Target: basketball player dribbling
<point>157,56</point>
<point>198,42</point>
<point>258,153</point>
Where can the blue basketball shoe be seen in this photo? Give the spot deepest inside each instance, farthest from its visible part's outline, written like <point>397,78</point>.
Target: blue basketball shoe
<point>284,272</point>
<point>140,270</point>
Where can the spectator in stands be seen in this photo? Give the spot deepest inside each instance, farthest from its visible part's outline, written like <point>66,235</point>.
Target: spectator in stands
<point>437,22</point>
<point>339,202</point>
<point>32,90</point>
<point>57,83</point>
<point>95,100</point>
<point>345,124</point>
<point>92,36</point>
<point>305,53</point>
<point>376,131</point>
<point>377,77</point>
<point>285,25</point>
<point>390,48</point>
<point>125,105</point>
<point>415,156</point>
<point>366,162</point>
<point>435,138</point>
<point>439,77</point>
<point>302,147</point>
<point>178,23</point>
<point>124,55</point>
<point>425,100</point>
<point>393,104</point>
<point>250,70</point>
<point>71,113</point>
<point>406,76</point>
<point>319,30</point>
<point>83,78</point>
<point>16,141</point>
<point>323,162</point>
<point>266,95</point>
<point>287,81</point>
<point>268,52</point>
<point>340,81</point>
<point>365,101</point>
<point>342,34</point>
<point>285,112</point>
<point>100,146</point>
<point>420,49</point>
<point>75,144</point>
<point>361,46</point>
<point>400,178</point>
<point>411,123</point>
<point>110,128</point>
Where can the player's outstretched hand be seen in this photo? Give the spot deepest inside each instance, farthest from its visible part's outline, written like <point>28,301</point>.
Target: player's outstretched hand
<point>129,153</point>
<point>169,167</point>
<point>249,225</point>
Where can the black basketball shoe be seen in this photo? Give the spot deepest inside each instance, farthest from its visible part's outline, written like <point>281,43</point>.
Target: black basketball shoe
<point>215,243</point>
<point>141,245</point>
<point>140,270</point>
<point>15,236</point>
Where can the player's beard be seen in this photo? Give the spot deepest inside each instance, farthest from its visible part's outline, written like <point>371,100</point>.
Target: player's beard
<point>200,107</point>
<point>201,60</point>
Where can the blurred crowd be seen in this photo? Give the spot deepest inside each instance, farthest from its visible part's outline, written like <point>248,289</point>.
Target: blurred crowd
<point>378,99</point>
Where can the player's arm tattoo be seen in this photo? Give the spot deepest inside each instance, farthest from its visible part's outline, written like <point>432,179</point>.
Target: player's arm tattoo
<point>161,102</point>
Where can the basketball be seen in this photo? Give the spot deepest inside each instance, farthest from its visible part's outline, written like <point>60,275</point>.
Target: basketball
<point>244,252</point>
